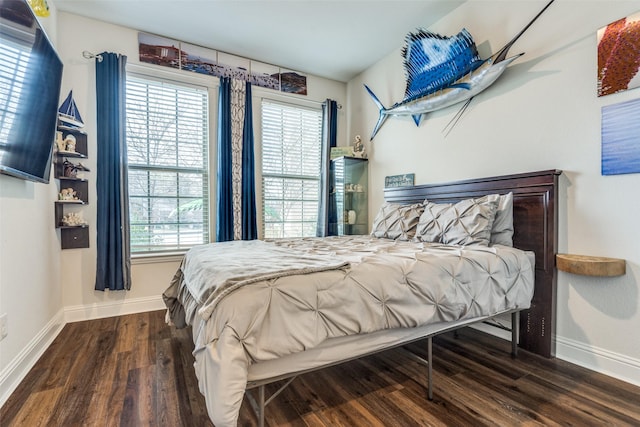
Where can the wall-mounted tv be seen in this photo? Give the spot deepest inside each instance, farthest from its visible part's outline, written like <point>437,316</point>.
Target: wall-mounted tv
<point>30,77</point>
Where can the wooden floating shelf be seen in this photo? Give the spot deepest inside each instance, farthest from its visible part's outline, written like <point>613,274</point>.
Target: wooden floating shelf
<point>591,265</point>
<point>72,202</point>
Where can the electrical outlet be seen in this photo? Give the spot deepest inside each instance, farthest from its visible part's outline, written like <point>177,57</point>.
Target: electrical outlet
<point>4,329</point>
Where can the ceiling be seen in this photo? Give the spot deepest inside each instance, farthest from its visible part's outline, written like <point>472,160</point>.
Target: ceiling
<point>333,39</point>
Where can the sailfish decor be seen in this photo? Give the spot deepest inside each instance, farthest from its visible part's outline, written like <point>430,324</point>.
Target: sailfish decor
<point>443,71</point>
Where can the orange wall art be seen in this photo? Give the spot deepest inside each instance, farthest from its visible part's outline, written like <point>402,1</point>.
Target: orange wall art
<point>619,55</point>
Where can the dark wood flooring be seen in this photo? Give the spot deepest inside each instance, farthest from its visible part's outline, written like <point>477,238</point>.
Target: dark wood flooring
<point>135,370</point>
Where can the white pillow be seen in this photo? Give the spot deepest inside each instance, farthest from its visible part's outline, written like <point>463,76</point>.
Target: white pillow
<point>396,221</point>
<point>502,228</point>
<point>467,222</point>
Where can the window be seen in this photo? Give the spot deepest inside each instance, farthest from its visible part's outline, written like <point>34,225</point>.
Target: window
<point>14,60</point>
<point>167,150</point>
<point>291,145</point>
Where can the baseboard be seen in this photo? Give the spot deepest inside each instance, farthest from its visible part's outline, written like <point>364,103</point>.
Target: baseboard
<point>615,365</point>
<point>606,362</point>
<point>17,369</point>
<point>79,313</point>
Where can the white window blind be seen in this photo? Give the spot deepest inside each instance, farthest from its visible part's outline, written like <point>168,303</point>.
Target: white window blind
<point>167,151</point>
<point>291,144</point>
<point>13,66</point>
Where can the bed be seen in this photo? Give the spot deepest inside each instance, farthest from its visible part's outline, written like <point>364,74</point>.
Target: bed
<point>254,322</point>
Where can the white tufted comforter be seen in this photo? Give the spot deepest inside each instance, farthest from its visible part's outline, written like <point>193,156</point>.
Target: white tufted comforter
<point>357,285</point>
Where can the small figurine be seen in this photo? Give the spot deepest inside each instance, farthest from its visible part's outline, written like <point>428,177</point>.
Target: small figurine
<point>73,219</point>
<point>70,140</point>
<point>72,170</point>
<point>358,148</point>
<point>67,194</point>
<point>60,142</point>
<point>40,7</point>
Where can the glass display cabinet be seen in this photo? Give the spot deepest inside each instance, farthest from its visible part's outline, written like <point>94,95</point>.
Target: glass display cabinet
<point>348,201</point>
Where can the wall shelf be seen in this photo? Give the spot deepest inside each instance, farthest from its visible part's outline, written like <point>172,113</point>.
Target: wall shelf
<point>73,202</point>
<point>73,154</point>
<point>591,265</point>
<point>70,177</point>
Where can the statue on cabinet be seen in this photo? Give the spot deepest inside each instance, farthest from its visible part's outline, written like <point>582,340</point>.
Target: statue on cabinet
<point>358,148</point>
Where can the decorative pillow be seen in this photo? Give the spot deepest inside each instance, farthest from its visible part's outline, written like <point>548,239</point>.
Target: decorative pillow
<point>395,221</point>
<point>502,229</point>
<point>467,222</point>
<point>431,225</point>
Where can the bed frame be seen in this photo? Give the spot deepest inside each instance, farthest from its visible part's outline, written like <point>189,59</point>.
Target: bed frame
<point>535,223</point>
<point>535,202</point>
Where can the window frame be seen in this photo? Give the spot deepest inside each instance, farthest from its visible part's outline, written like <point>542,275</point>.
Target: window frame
<point>291,102</point>
<point>211,86</point>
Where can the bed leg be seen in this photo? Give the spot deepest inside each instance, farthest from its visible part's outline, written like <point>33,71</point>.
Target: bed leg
<point>430,367</point>
<point>261,406</point>
<point>515,332</point>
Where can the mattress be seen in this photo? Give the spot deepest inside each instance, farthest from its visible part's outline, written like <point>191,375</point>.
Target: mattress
<point>367,293</point>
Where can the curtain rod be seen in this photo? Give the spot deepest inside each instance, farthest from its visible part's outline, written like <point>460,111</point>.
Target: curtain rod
<point>89,55</point>
<point>286,97</point>
<point>315,102</point>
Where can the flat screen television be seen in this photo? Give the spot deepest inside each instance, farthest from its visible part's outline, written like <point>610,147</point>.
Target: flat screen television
<point>30,77</point>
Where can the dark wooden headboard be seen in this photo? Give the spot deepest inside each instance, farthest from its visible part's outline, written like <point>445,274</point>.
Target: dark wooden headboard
<point>535,221</point>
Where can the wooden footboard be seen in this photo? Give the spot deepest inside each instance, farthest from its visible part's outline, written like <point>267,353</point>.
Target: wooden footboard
<point>535,219</point>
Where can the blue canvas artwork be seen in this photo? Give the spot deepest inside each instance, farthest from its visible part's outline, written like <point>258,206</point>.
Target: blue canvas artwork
<point>621,138</point>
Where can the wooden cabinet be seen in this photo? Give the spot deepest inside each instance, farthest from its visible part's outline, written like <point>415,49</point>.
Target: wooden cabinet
<point>348,201</point>
<point>73,189</point>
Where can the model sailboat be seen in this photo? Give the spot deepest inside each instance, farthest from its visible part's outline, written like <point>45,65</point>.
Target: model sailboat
<point>68,113</point>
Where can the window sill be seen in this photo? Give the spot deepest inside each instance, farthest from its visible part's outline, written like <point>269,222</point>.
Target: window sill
<point>156,258</point>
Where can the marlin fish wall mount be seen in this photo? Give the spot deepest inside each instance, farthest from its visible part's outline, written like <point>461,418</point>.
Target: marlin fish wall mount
<point>443,71</point>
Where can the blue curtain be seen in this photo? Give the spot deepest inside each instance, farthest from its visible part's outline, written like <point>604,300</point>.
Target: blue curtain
<point>249,227</point>
<point>224,217</point>
<point>329,139</point>
<point>113,269</point>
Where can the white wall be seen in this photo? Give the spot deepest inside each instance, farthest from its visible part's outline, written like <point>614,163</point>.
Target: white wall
<point>543,113</point>
<point>30,285</point>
